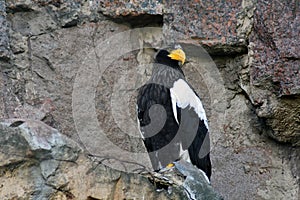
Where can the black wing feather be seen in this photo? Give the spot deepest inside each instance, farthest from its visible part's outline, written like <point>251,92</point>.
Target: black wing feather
<point>151,94</point>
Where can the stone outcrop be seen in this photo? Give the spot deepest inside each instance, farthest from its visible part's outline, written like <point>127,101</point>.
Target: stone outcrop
<point>249,86</point>
<point>274,70</point>
<point>5,52</point>
<point>37,162</point>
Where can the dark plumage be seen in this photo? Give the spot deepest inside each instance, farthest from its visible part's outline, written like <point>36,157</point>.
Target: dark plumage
<point>171,116</point>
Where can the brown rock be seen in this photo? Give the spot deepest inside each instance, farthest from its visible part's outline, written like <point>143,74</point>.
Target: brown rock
<point>274,68</point>
<point>211,23</point>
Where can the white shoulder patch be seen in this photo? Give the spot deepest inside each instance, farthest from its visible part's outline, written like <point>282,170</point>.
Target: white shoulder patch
<point>182,96</point>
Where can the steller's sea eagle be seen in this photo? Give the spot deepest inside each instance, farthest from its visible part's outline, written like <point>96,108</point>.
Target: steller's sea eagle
<point>171,117</point>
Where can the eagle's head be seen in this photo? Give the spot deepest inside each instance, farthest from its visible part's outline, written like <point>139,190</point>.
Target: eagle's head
<point>171,57</point>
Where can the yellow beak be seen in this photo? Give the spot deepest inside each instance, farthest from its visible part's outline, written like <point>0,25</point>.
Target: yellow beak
<point>178,54</point>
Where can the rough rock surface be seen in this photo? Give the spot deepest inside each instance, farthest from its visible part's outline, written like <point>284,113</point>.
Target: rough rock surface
<point>37,162</point>
<point>250,90</point>
<point>211,23</point>
<point>4,41</point>
<point>275,67</point>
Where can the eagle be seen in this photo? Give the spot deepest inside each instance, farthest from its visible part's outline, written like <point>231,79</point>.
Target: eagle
<point>171,117</point>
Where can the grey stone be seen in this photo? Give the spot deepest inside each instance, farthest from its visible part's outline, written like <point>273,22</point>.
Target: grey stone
<point>32,23</point>
<point>77,178</point>
<point>5,52</point>
<point>195,183</point>
<point>48,167</point>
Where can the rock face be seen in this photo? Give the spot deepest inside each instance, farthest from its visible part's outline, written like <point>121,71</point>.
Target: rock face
<point>249,86</point>
<point>37,162</point>
<point>4,41</point>
<point>274,71</point>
